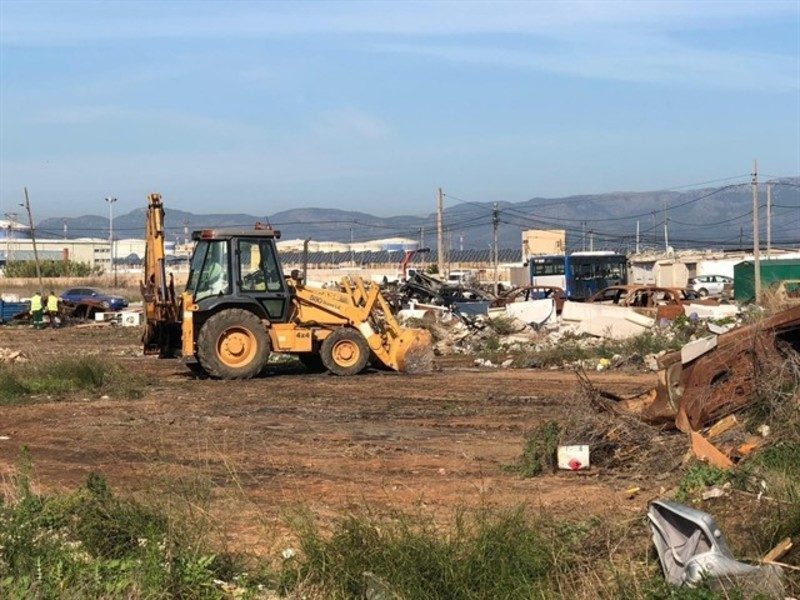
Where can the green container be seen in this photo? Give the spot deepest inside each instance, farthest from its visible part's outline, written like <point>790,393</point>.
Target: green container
<point>773,271</point>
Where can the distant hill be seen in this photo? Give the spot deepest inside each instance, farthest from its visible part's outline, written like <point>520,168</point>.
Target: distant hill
<point>710,217</point>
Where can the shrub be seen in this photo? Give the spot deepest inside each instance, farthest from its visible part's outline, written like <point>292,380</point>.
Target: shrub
<point>539,453</point>
<point>48,268</point>
<point>504,325</point>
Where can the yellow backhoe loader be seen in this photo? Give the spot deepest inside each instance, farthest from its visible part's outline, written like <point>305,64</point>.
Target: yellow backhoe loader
<point>238,307</point>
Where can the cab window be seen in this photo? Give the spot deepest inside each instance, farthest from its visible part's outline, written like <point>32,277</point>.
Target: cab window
<point>209,274</point>
<point>259,271</point>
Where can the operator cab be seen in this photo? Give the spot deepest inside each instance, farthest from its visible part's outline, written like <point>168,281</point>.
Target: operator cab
<point>238,266</point>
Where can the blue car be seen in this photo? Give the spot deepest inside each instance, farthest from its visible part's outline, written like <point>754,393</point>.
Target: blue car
<point>92,299</point>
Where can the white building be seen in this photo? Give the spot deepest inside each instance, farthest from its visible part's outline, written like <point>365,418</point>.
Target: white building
<point>676,269</point>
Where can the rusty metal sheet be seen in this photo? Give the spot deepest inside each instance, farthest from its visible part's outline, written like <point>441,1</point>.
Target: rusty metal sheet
<point>721,381</point>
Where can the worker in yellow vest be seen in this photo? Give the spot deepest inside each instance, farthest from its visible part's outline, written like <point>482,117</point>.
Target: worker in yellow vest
<point>36,310</point>
<point>52,308</point>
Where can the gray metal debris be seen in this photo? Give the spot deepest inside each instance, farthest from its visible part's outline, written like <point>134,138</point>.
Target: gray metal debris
<point>692,550</point>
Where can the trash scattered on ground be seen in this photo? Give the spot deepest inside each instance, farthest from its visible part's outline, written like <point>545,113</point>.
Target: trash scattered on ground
<point>692,551</point>
<point>7,355</point>
<point>779,551</point>
<point>632,492</point>
<point>573,458</point>
<point>713,492</point>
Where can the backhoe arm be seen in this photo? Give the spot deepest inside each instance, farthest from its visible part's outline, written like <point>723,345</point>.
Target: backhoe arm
<point>158,292</point>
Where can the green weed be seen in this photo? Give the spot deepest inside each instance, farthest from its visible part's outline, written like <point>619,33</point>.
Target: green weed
<point>539,453</point>
<point>92,544</point>
<point>503,325</point>
<point>64,376</point>
<point>486,555</point>
<point>699,476</point>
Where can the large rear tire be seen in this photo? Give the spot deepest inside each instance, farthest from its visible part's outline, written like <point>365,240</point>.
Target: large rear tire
<point>233,344</point>
<point>345,352</point>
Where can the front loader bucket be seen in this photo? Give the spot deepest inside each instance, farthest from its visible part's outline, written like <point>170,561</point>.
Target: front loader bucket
<point>412,351</point>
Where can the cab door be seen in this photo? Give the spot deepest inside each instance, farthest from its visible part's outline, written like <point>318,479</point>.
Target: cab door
<point>260,276</point>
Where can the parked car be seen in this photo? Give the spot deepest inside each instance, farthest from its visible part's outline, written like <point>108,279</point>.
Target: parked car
<point>86,301</point>
<point>711,285</point>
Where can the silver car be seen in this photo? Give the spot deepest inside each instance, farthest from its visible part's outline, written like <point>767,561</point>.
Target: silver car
<point>711,285</point>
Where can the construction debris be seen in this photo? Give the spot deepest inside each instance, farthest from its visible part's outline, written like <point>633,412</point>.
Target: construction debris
<point>716,377</point>
<point>8,356</point>
<point>779,551</point>
<point>573,458</point>
<point>692,551</point>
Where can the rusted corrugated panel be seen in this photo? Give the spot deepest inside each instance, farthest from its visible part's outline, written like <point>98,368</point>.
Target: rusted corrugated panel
<point>724,380</point>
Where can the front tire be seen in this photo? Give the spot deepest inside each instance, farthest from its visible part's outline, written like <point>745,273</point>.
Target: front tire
<point>233,344</point>
<point>703,292</point>
<point>345,352</point>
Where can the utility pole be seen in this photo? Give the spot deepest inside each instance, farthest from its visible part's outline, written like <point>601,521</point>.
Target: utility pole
<point>666,229</point>
<point>111,201</point>
<point>440,233</point>
<point>637,236</point>
<point>583,236</point>
<point>741,236</point>
<point>756,240</point>
<point>655,229</point>
<point>27,207</point>
<point>769,219</point>
<point>461,242</point>
<point>591,240</point>
<point>495,224</point>
<point>186,232</point>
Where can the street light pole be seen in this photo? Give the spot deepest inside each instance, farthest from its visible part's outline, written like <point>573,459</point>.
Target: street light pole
<point>111,201</point>
<point>12,219</point>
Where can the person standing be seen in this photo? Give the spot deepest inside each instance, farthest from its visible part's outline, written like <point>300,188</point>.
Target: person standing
<point>52,308</point>
<point>36,310</point>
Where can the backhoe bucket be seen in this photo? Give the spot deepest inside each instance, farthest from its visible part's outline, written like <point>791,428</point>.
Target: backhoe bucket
<point>412,351</point>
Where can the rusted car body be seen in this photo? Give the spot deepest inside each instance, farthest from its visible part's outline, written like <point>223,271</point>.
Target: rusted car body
<point>652,301</point>
<point>695,392</point>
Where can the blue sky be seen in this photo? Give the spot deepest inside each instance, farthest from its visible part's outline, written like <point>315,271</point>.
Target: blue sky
<point>259,107</point>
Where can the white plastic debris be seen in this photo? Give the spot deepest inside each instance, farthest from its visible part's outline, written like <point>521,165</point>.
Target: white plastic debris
<point>573,458</point>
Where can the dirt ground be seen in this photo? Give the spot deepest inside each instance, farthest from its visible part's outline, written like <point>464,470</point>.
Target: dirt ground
<point>439,442</point>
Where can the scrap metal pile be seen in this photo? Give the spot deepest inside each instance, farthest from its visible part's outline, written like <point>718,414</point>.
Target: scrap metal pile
<point>714,377</point>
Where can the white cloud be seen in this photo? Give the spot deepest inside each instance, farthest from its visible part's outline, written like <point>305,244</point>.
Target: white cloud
<point>630,58</point>
<point>624,41</point>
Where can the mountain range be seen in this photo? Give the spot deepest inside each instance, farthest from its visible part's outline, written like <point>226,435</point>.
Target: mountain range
<point>718,217</point>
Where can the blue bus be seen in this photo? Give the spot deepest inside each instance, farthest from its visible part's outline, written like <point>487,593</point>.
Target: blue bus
<point>580,274</point>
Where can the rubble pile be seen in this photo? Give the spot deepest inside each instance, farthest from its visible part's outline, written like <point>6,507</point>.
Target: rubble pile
<point>9,356</point>
<point>506,341</point>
